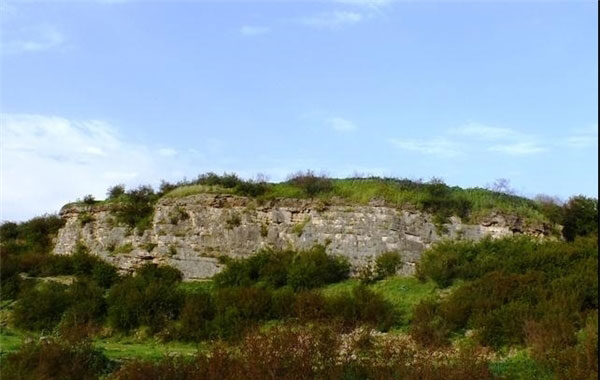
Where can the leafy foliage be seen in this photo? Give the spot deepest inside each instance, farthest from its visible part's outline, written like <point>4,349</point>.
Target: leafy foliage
<point>580,217</point>
<point>300,270</point>
<point>508,284</point>
<point>150,298</point>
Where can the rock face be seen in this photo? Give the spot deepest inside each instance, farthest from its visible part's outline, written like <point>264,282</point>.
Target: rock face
<point>191,232</point>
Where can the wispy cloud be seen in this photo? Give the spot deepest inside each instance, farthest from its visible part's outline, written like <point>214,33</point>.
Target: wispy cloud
<point>485,132</point>
<point>48,161</point>
<point>366,3</point>
<point>341,125</point>
<point>583,138</point>
<point>167,152</point>
<point>251,31</point>
<point>333,20</point>
<point>518,148</point>
<point>35,39</point>
<point>475,138</point>
<point>437,147</point>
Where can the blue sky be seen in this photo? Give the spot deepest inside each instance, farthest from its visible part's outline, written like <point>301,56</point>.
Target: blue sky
<point>95,93</point>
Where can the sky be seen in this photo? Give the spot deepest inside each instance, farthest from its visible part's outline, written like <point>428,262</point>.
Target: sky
<point>97,93</point>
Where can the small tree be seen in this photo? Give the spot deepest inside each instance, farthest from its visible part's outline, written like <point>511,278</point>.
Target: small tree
<point>115,191</point>
<point>580,217</point>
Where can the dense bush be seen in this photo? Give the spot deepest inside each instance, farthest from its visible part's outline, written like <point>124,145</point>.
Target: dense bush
<point>310,183</point>
<point>300,270</point>
<point>87,304</point>
<point>135,207</point>
<point>387,264</point>
<point>315,352</point>
<point>41,307</point>
<point>115,192</point>
<point>442,201</point>
<point>53,360</point>
<point>32,236</point>
<point>507,284</point>
<point>197,313</point>
<point>580,217</point>
<point>150,298</point>
<point>314,268</point>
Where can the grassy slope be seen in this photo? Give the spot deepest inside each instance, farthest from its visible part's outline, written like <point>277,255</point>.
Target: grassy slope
<point>363,191</point>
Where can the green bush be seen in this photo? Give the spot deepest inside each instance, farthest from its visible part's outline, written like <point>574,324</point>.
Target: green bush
<point>87,304</point>
<point>52,360</point>
<point>314,268</point>
<point>508,284</point>
<point>150,298</point>
<point>310,183</point>
<point>307,269</point>
<point>135,207</point>
<point>41,307</point>
<point>196,316</point>
<point>387,264</point>
<point>580,217</point>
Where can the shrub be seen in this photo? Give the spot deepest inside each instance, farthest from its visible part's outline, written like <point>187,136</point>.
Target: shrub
<point>135,207</point>
<point>115,192</point>
<point>310,183</point>
<point>87,303</point>
<point>282,302</point>
<point>314,268</point>
<point>387,264</point>
<point>580,217</point>
<point>233,220</point>
<point>428,328</point>
<point>150,298</point>
<point>33,236</point>
<point>41,307</point>
<point>104,274</point>
<point>53,360</point>
<point>251,303</point>
<point>196,315</point>
<point>89,199</point>
<point>509,283</point>
<point>309,306</point>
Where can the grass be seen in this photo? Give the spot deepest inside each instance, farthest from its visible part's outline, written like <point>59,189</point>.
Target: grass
<point>196,286</point>
<point>402,194</point>
<point>129,348</point>
<point>520,367</point>
<point>10,340</point>
<point>393,192</point>
<point>402,292</point>
<point>184,191</point>
<point>114,347</point>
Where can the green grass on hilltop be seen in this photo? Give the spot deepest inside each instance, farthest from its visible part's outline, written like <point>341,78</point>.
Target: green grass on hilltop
<point>398,193</point>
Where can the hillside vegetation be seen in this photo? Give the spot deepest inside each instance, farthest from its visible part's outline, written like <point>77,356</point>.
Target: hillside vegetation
<point>134,207</point>
<point>512,308</point>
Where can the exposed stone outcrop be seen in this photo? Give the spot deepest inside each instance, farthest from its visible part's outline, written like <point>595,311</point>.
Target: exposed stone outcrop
<point>191,232</point>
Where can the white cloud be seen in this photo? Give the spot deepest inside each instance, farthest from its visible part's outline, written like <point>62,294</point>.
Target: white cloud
<point>518,148</point>
<point>438,146</point>
<point>484,132</point>
<point>584,137</point>
<point>333,19</point>
<point>35,39</point>
<point>366,3</point>
<point>48,161</point>
<point>167,152</point>
<point>251,31</point>
<point>341,125</point>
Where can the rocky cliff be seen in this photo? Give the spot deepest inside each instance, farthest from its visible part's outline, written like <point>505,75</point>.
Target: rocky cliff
<point>191,232</point>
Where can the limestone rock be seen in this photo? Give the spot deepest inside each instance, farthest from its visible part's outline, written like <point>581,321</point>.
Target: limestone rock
<point>227,225</point>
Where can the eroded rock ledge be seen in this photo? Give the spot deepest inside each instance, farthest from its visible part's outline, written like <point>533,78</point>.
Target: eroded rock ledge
<point>191,232</point>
